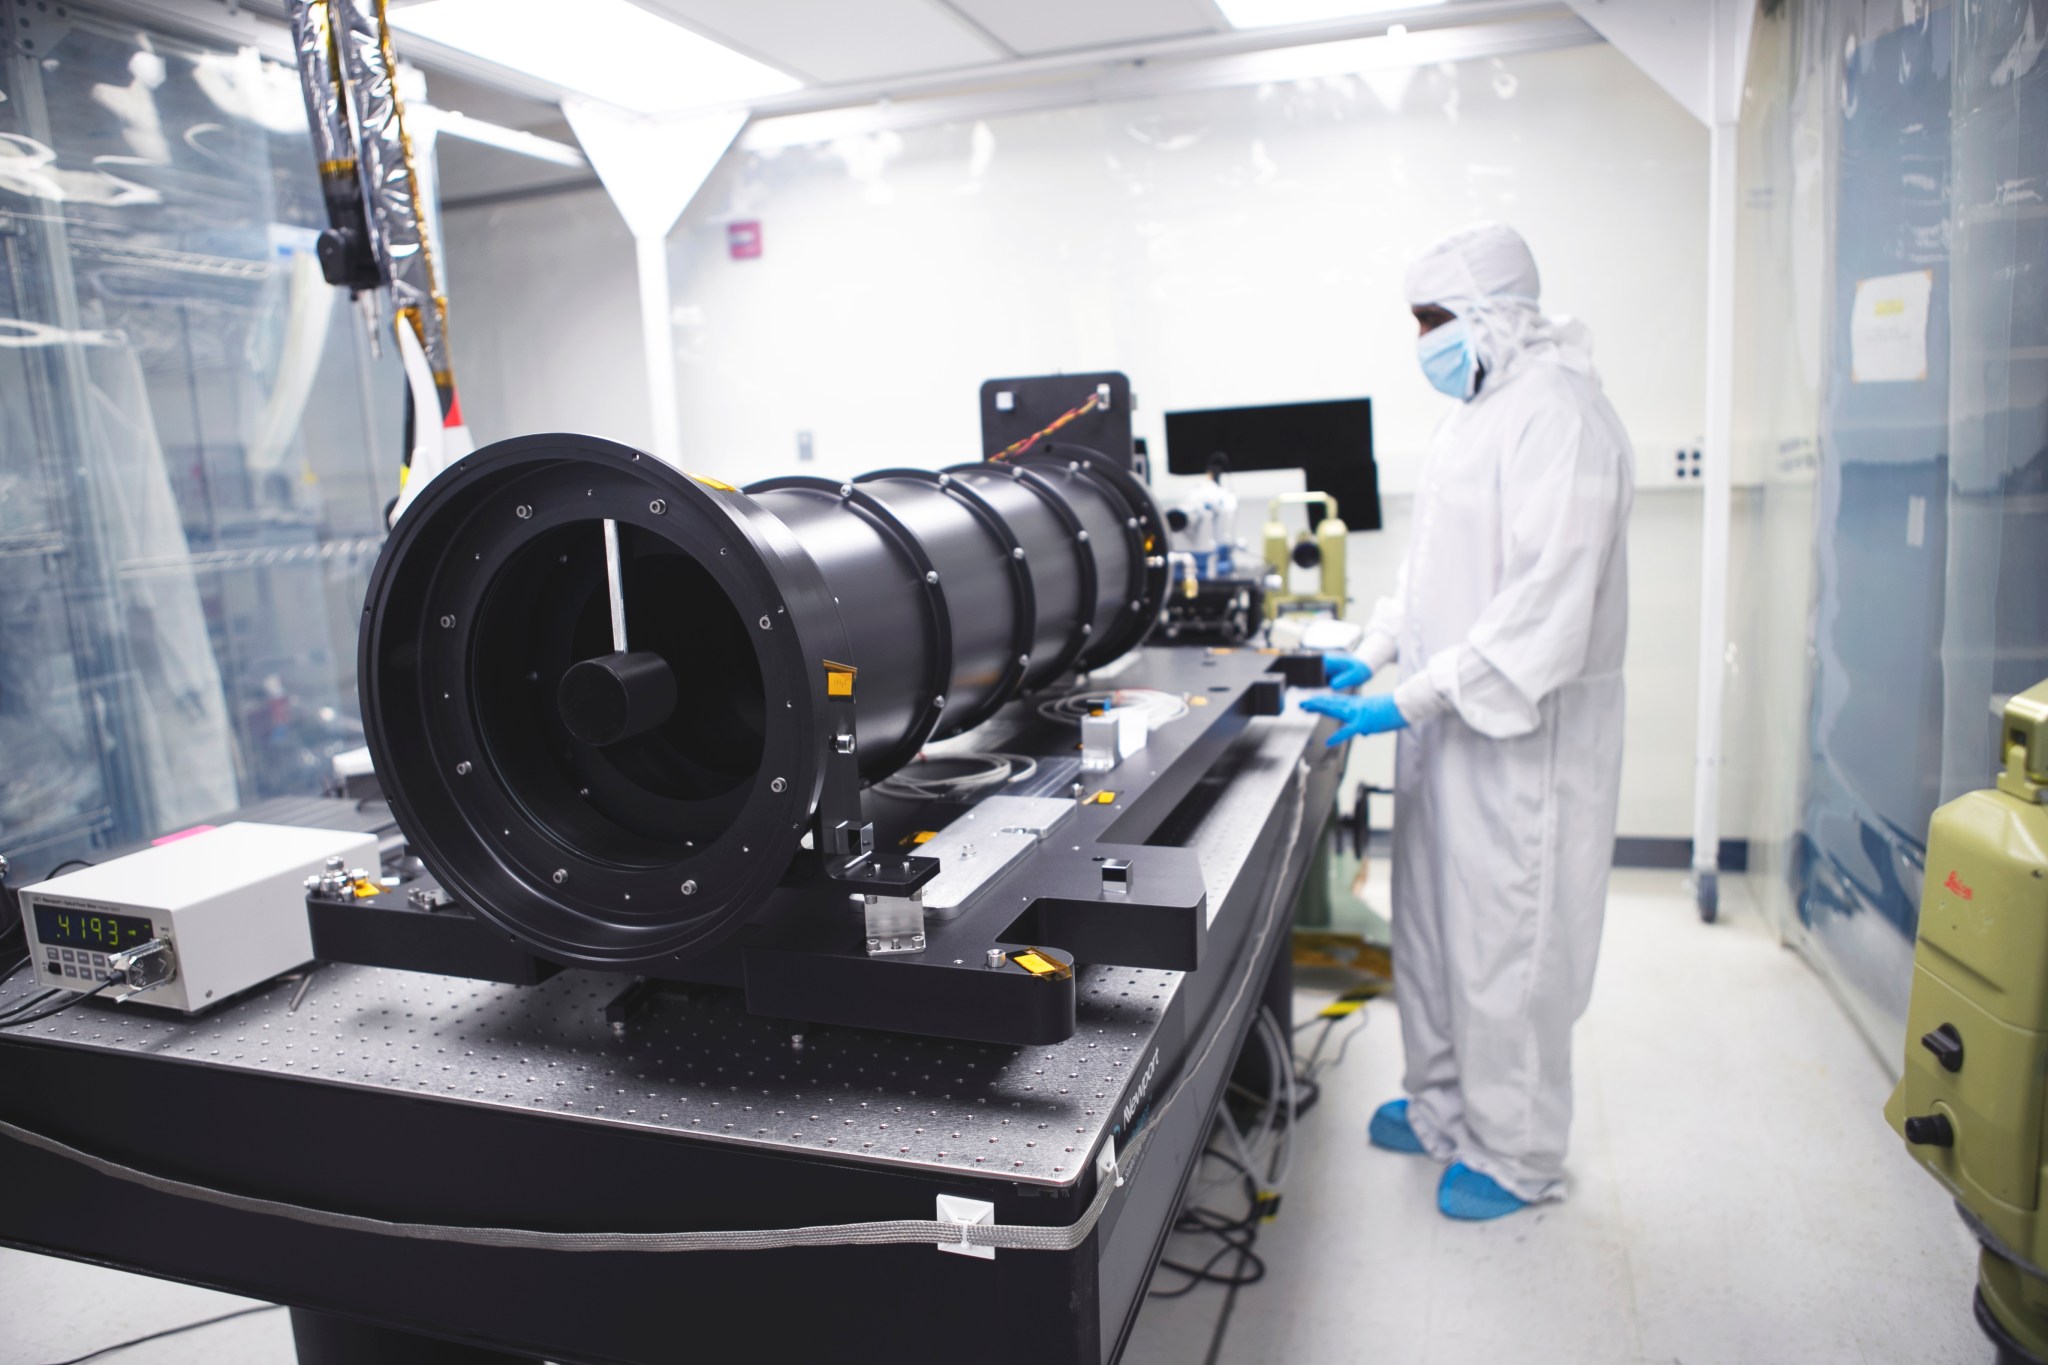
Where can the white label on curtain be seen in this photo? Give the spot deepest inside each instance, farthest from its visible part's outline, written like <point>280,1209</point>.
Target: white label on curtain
<point>1888,328</point>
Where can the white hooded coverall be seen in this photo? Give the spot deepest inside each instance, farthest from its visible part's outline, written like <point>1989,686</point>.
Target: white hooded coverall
<point>1509,619</point>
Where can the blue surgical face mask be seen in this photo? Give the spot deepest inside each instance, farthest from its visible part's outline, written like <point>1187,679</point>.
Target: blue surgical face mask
<point>1447,358</point>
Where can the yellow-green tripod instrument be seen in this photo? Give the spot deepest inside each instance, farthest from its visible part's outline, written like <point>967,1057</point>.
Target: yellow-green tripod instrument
<point>1970,1101</point>
<point>1322,549</point>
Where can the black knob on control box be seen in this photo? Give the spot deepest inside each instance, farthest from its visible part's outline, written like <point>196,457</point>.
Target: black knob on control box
<point>1930,1130</point>
<point>1947,1046</point>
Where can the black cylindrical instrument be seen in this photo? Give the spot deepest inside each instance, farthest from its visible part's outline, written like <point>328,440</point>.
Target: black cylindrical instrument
<point>601,694</point>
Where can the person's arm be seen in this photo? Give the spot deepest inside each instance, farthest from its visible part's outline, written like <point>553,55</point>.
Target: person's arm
<point>1563,490</point>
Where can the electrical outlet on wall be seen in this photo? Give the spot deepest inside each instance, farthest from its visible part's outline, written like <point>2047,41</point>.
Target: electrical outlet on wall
<point>1687,465</point>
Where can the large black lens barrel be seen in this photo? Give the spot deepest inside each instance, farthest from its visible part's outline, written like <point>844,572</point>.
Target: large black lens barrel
<point>632,808</point>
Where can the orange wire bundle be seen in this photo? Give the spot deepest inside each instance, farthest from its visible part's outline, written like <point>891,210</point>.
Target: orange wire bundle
<point>1019,447</point>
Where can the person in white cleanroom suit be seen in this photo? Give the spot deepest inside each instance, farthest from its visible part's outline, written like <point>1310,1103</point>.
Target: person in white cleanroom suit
<point>1509,619</point>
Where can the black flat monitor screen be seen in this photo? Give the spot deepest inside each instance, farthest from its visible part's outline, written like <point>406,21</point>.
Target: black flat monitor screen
<point>1330,442</point>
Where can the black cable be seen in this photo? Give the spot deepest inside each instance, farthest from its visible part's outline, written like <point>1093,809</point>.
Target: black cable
<point>1228,1160</point>
<point>68,862</point>
<point>170,1332</point>
<point>1237,1234</point>
<point>10,907</point>
<point>411,420</point>
<point>1210,1221</point>
<point>13,1019</point>
<point>1306,1093</point>
<point>1240,1234</point>
<point>1230,1304</point>
<point>1345,1046</point>
<point>24,1016</point>
<point>1251,1269</point>
<point>1315,1053</point>
<point>32,1002</point>
<point>11,926</point>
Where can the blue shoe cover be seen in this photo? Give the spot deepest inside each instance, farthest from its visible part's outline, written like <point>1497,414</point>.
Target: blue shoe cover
<point>1465,1193</point>
<point>1390,1129</point>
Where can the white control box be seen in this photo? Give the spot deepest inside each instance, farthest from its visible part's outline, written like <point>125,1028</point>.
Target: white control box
<point>229,902</point>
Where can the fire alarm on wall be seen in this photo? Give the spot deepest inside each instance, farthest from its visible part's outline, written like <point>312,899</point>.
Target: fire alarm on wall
<point>743,239</point>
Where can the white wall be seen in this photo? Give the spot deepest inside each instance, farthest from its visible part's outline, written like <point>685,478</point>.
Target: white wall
<point>1225,247</point>
<point>544,320</point>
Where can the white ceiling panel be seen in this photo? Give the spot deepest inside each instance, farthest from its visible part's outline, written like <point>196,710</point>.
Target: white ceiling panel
<point>1029,27</point>
<point>833,41</point>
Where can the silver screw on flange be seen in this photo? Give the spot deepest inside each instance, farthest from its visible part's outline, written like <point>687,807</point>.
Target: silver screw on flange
<point>689,888</point>
<point>462,768</point>
<point>523,511</point>
<point>448,623</point>
<point>561,875</point>
<point>658,506</point>
<point>778,784</point>
<point>931,576</point>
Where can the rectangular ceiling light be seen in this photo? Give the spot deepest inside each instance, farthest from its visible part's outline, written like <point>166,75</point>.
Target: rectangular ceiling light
<point>610,50</point>
<point>1272,13</point>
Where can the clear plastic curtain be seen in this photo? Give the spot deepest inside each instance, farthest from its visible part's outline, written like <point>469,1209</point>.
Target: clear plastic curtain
<point>1995,636</point>
<point>1894,425</point>
<point>194,447</point>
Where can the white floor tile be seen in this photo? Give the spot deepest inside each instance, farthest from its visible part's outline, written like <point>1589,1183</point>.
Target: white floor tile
<point>54,1310</point>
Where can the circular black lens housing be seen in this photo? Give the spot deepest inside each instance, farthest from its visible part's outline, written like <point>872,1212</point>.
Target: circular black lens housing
<point>604,848</point>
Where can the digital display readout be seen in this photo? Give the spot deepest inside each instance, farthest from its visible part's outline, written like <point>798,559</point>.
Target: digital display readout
<point>85,929</point>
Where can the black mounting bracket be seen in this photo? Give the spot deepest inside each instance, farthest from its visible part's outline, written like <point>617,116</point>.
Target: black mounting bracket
<point>844,836</point>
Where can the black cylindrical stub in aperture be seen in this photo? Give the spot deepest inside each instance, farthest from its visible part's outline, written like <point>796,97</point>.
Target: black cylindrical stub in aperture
<point>616,696</point>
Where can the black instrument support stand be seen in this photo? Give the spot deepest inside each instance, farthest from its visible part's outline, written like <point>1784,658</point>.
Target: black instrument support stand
<point>999,969</point>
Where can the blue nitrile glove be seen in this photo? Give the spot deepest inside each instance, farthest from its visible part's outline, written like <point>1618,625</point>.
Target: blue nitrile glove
<point>1343,671</point>
<point>1374,715</point>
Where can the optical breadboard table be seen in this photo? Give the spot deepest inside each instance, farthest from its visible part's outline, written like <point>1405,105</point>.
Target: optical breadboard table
<point>446,1101</point>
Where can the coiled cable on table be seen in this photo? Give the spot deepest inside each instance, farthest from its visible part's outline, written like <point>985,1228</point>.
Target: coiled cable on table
<point>915,782</point>
<point>1160,708</point>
